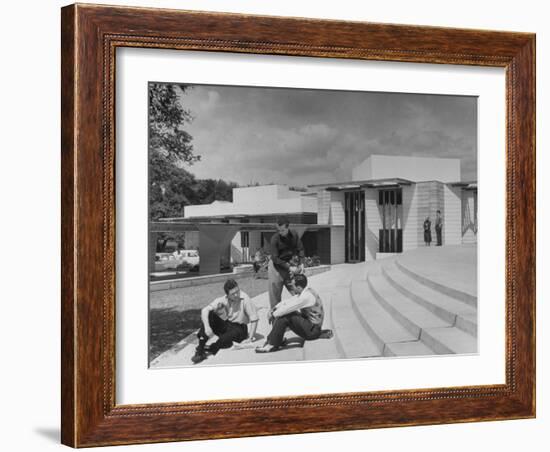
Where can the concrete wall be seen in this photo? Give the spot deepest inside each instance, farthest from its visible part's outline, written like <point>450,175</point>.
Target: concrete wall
<point>268,199</point>
<point>337,208</point>
<point>410,217</point>
<point>247,195</point>
<point>415,169</point>
<point>337,246</point>
<point>331,208</point>
<point>452,220</point>
<point>372,224</point>
<point>430,198</point>
<point>469,216</point>
<point>323,206</point>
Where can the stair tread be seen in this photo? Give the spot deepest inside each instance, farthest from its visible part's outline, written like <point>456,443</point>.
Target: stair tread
<point>453,338</point>
<point>417,314</point>
<point>437,284</point>
<point>350,334</point>
<point>411,348</point>
<point>441,300</point>
<point>382,323</point>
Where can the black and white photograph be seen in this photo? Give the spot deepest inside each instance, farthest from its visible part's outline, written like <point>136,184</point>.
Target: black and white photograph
<point>294,225</point>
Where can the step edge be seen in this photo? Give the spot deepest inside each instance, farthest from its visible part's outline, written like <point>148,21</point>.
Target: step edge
<point>457,294</point>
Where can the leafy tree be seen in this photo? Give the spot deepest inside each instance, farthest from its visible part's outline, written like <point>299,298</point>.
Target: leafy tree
<point>171,186</point>
<point>166,120</point>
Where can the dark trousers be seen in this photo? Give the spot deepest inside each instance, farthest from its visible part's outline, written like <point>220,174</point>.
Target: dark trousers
<point>295,322</point>
<point>438,233</point>
<point>276,283</point>
<point>227,332</point>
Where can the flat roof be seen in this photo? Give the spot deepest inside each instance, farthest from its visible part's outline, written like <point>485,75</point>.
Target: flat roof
<point>373,183</point>
<point>472,185</point>
<point>385,183</point>
<point>183,226</point>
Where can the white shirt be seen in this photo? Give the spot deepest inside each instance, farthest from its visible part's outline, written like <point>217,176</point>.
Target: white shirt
<point>305,300</point>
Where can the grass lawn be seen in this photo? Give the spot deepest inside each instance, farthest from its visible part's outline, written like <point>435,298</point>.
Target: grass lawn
<point>174,314</point>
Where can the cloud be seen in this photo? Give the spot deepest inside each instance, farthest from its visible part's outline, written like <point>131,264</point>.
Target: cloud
<point>286,135</point>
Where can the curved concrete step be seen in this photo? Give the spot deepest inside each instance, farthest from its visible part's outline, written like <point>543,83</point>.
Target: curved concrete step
<point>411,348</point>
<point>323,349</point>
<point>352,341</point>
<point>449,340</point>
<point>376,320</point>
<point>455,312</point>
<point>408,313</point>
<point>444,289</point>
<point>435,333</point>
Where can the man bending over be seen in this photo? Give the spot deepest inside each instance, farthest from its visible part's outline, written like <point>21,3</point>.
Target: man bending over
<point>232,318</point>
<point>302,314</point>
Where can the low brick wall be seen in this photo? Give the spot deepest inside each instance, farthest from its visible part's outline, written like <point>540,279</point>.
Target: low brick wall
<point>222,277</point>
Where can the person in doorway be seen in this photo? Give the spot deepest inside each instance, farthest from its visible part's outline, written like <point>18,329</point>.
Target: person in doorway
<point>438,227</point>
<point>285,245</point>
<point>427,231</point>
<point>232,318</point>
<point>302,313</point>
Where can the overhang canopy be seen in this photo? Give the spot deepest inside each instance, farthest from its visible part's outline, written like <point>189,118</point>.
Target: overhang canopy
<point>183,226</point>
<point>465,185</point>
<point>373,183</point>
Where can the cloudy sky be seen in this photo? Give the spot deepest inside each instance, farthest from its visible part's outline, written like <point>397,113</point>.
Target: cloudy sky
<point>300,137</point>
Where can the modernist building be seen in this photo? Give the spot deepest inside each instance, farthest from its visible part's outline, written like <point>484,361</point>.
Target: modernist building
<point>378,212</point>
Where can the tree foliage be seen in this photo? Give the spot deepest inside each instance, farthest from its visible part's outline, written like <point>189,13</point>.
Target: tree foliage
<point>167,118</point>
<point>170,146</point>
<point>171,186</point>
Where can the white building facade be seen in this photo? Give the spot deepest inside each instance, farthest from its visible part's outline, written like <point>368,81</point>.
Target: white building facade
<point>379,212</point>
<point>384,206</point>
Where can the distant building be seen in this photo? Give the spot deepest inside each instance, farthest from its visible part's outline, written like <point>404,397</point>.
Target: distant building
<point>385,204</point>
<point>378,212</point>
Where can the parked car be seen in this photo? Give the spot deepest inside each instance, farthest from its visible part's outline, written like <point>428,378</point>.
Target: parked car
<point>165,261</point>
<point>189,256</point>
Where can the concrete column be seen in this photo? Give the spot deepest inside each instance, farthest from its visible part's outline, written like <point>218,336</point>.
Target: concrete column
<point>452,220</point>
<point>337,245</point>
<point>373,224</point>
<point>299,229</point>
<point>214,240</point>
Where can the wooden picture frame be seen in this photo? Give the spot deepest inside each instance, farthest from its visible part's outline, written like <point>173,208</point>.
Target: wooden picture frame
<point>90,36</point>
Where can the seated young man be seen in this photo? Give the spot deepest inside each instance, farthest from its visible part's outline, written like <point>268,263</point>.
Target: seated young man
<point>232,318</point>
<point>302,314</point>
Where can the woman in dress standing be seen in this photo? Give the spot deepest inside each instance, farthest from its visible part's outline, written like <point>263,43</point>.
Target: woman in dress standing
<point>427,231</point>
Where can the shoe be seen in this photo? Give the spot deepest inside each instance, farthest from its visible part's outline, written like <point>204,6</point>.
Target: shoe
<point>326,334</point>
<point>198,357</point>
<point>266,348</point>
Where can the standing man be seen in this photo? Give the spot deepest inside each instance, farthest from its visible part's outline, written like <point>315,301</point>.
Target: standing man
<point>285,244</point>
<point>232,318</point>
<point>438,227</point>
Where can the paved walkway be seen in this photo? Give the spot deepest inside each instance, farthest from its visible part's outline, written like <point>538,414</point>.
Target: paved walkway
<point>338,278</point>
<point>422,302</point>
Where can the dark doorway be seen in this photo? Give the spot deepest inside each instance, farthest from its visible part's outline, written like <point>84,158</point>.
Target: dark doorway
<point>355,226</point>
<point>390,237</point>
